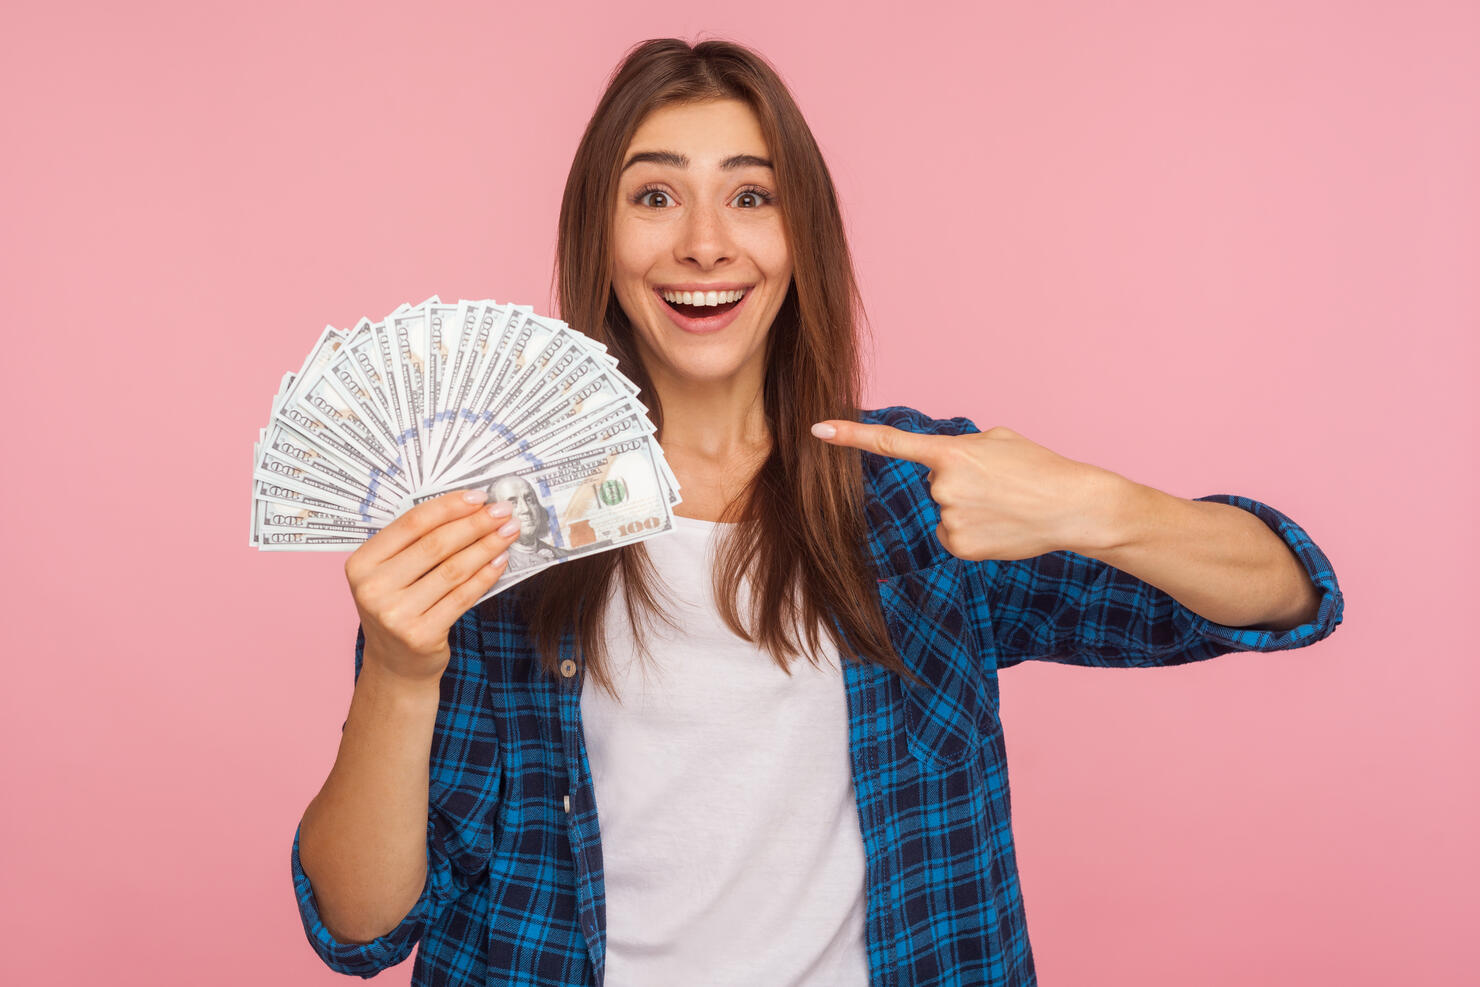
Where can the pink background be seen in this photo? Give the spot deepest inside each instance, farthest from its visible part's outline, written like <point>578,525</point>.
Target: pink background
<point>1216,248</point>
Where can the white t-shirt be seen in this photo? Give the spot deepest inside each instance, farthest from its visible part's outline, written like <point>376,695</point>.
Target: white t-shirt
<point>730,836</point>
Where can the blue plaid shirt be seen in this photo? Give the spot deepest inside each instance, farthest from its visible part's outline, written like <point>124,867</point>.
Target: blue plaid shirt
<point>514,891</point>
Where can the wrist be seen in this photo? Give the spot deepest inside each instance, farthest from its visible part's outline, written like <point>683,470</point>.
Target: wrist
<point>1117,508</point>
<point>381,677</point>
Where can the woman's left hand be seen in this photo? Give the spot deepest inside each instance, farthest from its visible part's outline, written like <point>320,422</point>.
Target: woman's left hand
<point>1001,495</point>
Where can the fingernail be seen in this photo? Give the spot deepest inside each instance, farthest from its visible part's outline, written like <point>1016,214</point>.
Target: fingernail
<point>475,496</point>
<point>502,509</point>
<point>509,528</point>
<point>502,558</point>
<point>824,431</point>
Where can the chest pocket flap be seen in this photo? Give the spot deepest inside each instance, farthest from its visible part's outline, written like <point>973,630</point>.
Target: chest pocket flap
<point>926,613</point>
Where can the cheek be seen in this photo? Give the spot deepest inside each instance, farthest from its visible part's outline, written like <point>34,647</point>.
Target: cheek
<point>632,252</point>
<point>630,266</point>
<point>622,261</point>
<point>767,247</point>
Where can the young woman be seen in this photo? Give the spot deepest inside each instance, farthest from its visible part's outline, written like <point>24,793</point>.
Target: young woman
<point>791,730</point>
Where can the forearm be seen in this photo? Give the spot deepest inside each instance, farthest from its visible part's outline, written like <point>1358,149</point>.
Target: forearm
<point>1215,559</point>
<point>362,841</point>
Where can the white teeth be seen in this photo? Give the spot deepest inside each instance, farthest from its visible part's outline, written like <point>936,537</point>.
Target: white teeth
<point>703,297</point>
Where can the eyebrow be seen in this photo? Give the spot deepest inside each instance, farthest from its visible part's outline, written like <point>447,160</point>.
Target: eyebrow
<point>675,160</point>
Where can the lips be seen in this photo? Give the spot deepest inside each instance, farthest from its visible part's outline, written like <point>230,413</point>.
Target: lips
<point>701,319</point>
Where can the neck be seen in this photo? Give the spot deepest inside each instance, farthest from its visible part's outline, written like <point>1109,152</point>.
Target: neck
<point>717,422</point>
<point>714,437</point>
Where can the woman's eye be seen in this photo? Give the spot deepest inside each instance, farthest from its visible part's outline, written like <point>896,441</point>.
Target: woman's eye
<point>656,198</point>
<point>751,198</point>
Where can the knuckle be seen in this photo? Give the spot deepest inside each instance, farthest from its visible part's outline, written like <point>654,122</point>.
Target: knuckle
<point>452,572</point>
<point>462,598</point>
<point>395,620</point>
<point>485,528</point>
<point>366,592</point>
<point>470,591</point>
<point>430,513</point>
<point>418,520</point>
<point>364,599</point>
<point>435,544</point>
<point>464,594</point>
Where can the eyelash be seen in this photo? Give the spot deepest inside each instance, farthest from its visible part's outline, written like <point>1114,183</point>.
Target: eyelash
<point>766,197</point>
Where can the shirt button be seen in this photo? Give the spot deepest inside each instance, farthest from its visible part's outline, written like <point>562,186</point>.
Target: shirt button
<point>567,803</point>
<point>567,668</point>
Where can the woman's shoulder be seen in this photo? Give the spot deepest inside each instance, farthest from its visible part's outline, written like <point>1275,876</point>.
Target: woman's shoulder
<point>909,419</point>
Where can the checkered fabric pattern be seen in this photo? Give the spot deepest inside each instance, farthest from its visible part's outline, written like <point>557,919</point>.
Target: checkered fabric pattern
<point>514,891</point>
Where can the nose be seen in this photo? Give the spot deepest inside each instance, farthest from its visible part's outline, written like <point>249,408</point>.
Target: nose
<point>706,239</point>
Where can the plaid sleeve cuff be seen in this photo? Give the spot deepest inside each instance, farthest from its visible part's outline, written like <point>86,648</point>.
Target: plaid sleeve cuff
<point>1317,568</point>
<point>364,959</point>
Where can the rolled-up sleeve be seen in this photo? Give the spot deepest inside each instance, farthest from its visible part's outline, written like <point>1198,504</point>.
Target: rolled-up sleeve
<point>368,959</point>
<point>443,882</point>
<point>1069,608</point>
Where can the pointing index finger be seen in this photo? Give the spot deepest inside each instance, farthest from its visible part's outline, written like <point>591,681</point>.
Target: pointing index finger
<point>882,439</point>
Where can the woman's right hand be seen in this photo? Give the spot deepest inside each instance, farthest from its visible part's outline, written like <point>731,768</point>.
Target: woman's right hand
<point>414,578</point>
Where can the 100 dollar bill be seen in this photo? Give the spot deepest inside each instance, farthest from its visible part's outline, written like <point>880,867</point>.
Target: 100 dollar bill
<point>590,501</point>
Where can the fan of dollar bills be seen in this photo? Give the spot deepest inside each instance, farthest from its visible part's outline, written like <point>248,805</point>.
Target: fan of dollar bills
<point>443,396</point>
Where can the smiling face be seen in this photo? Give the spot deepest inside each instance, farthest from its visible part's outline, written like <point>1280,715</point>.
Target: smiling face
<point>700,263</point>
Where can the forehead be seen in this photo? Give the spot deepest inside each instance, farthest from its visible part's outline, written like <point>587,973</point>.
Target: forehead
<point>705,133</point>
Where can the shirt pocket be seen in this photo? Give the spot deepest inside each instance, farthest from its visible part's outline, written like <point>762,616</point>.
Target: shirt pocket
<point>949,711</point>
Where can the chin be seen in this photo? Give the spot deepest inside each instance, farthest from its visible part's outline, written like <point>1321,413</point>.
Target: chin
<point>713,367</point>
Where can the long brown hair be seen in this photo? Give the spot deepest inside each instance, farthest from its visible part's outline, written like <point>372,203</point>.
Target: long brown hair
<point>799,530</point>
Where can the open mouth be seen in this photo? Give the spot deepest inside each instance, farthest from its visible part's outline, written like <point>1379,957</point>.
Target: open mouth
<point>702,304</point>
